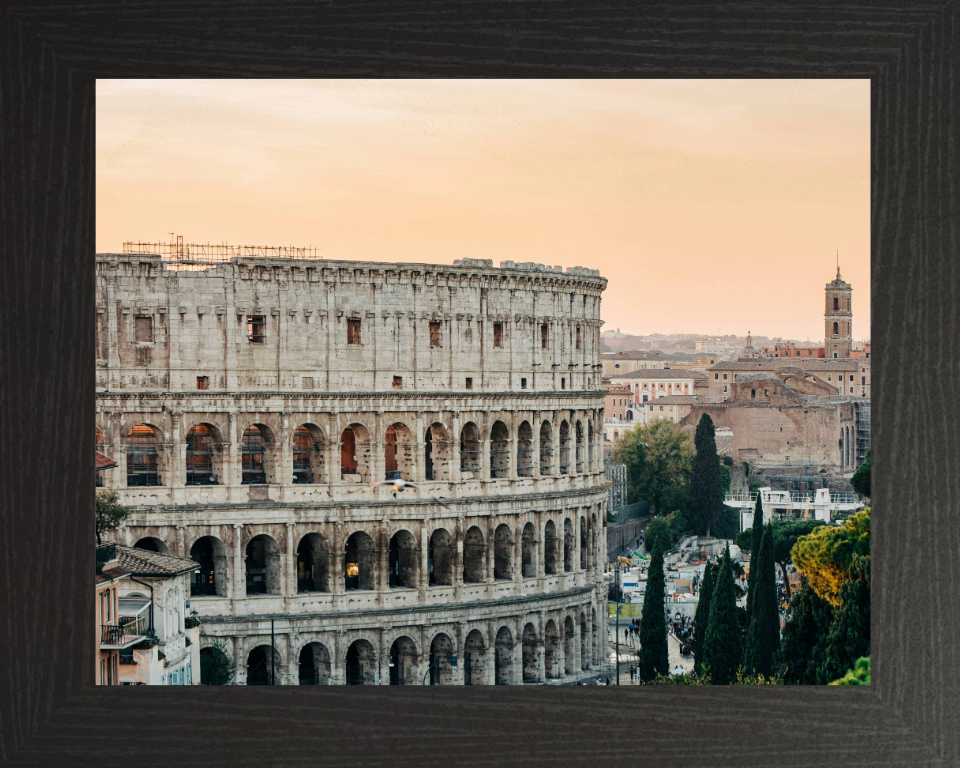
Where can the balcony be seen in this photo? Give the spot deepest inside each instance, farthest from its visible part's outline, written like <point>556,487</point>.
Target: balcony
<point>119,636</point>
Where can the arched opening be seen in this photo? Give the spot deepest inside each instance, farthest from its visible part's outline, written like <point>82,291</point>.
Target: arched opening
<point>403,662</point>
<point>528,551</point>
<point>313,573</point>
<point>469,449</point>
<point>836,304</point>
<point>361,663</point>
<point>360,562</point>
<point>502,553</point>
<point>569,544</point>
<point>404,558</point>
<point>551,544</point>
<point>569,646</point>
<point>474,659</point>
<point>474,555</point>
<point>308,454</point>
<point>564,448</point>
<point>203,453</point>
<point>152,544</point>
<point>595,631</point>
<point>143,460</point>
<point>531,659</point>
<point>579,448</point>
<point>440,557</point>
<point>437,453</point>
<point>592,542</point>
<point>499,450</point>
<point>355,454</point>
<point>209,554</point>
<point>263,666</point>
<point>551,646</point>
<point>584,644</point>
<point>546,449</point>
<point>836,329</point>
<point>583,544</point>
<point>100,450</point>
<point>503,657</point>
<point>525,450</point>
<point>263,566</point>
<point>253,455</point>
<point>441,667</point>
<point>590,442</point>
<point>314,664</point>
<point>398,453</point>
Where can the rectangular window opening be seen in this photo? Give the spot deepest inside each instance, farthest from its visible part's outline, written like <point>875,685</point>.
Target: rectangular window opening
<point>435,334</point>
<point>545,336</point>
<point>523,383</point>
<point>143,327</point>
<point>203,382</point>
<point>256,329</point>
<point>469,383</point>
<point>398,382</point>
<point>498,334</point>
<point>307,382</point>
<point>353,331</point>
<point>578,337</point>
<point>563,383</point>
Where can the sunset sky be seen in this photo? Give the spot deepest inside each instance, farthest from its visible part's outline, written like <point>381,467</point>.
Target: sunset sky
<point>710,206</point>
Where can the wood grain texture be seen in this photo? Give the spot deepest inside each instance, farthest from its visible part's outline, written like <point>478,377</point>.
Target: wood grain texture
<point>50,55</point>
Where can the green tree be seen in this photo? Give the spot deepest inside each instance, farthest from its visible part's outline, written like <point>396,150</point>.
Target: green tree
<point>861,478</point>
<point>859,675</point>
<point>763,633</point>
<point>658,532</point>
<point>653,625</point>
<point>849,637</point>
<point>723,646</point>
<point>658,457</point>
<point>826,555</point>
<point>705,482</point>
<point>110,513</point>
<point>804,645</point>
<point>785,535</point>
<point>701,618</point>
<point>216,666</point>
<point>753,545</point>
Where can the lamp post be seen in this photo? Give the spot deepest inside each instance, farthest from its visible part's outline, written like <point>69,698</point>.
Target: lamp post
<point>453,663</point>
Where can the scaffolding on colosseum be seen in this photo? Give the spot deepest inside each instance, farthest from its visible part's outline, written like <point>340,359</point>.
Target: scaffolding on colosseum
<point>863,431</point>
<point>195,256</point>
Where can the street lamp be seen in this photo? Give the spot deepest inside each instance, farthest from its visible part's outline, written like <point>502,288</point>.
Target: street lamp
<point>453,663</point>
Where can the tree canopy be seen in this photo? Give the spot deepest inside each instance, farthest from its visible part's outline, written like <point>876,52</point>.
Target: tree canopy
<point>216,666</point>
<point>706,485</point>
<point>785,535</point>
<point>861,478</point>
<point>658,457</point>
<point>653,654</point>
<point>763,634</point>
<point>826,554</point>
<point>804,645</point>
<point>658,531</point>
<point>859,675</point>
<point>110,513</point>
<point>701,618</point>
<point>723,646</point>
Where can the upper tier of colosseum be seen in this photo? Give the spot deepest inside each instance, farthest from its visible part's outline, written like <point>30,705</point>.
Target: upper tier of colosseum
<point>286,325</point>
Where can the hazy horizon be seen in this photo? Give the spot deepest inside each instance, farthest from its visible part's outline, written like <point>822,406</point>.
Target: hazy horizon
<point>712,207</point>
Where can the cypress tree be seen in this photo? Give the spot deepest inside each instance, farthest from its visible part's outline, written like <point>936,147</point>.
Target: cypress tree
<point>653,625</point>
<point>849,636</point>
<point>763,634</point>
<point>706,487</point>
<point>702,617</point>
<point>756,536</point>
<point>805,637</point>
<point>723,647</point>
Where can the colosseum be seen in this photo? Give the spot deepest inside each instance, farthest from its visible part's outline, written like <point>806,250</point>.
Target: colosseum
<point>252,403</point>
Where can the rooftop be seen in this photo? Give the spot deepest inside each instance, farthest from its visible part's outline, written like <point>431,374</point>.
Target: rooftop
<point>666,373</point>
<point>143,562</point>
<point>775,363</point>
<point>633,354</point>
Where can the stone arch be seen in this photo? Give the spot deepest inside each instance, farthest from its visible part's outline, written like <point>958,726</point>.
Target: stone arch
<point>211,557</point>
<point>470,448</point>
<point>153,544</point>
<point>525,450</point>
<point>528,552</point>
<point>264,666</point>
<point>404,560</point>
<point>355,454</point>
<point>404,661</point>
<point>144,451</point>
<point>546,448</point>
<point>441,557</point>
<point>503,657</point>
<point>438,450</point>
<point>569,646</point>
<point>578,453</point>
<point>551,547</point>
<point>313,564</point>
<point>592,541</point>
<point>503,553</point>
<point>590,466</point>
<point>583,543</point>
<point>440,668</point>
<point>309,465</point>
<point>530,652</point>
<point>474,556</point>
<point>258,455</point>
<point>360,562</point>
<point>263,565</point>
<point>584,643</point>
<point>360,663</point>
<point>204,455</point>
<point>551,647</point>
<point>564,448</point>
<point>499,450</point>
<point>595,631</point>
<point>569,545</point>
<point>314,664</point>
<point>474,659</point>
<point>398,452</point>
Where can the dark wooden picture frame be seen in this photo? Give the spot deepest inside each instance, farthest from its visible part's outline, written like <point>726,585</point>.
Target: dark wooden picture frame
<point>50,712</point>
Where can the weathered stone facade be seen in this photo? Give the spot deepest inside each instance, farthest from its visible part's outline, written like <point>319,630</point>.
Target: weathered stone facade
<point>250,404</point>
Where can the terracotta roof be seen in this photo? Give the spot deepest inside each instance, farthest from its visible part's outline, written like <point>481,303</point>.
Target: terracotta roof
<point>109,574</point>
<point>676,400</point>
<point>143,562</point>
<point>665,373</point>
<point>773,363</point>
<point>103,462</point>
<point>633,354</point>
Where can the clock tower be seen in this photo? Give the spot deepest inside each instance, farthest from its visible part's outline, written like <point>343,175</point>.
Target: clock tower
<point>838,319</point>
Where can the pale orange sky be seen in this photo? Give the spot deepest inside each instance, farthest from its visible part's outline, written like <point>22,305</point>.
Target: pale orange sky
<point>710,206</point>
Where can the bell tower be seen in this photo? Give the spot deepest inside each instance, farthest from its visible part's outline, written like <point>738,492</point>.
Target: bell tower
<point>838,318</point>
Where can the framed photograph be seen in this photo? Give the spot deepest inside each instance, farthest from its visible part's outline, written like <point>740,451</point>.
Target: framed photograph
<point>540,372</point>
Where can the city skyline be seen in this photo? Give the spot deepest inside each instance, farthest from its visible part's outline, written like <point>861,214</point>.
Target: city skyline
<point>679,192</point>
